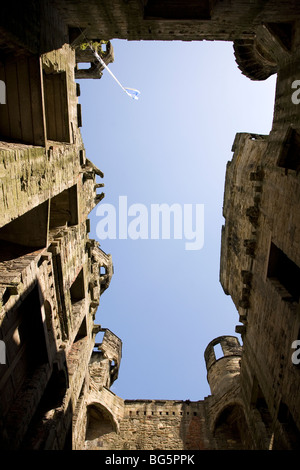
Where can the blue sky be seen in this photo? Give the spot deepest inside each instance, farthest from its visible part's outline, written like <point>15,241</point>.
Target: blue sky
<point>171,146</point>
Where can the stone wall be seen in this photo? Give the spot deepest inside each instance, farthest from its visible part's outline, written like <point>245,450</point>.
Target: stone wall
<point>260,262</point>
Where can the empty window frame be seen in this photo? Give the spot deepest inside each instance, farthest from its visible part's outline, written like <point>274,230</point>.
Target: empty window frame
<point>22,119</point>
<point>289,426</point>
<point>77,290</point>
<point>24,336</point>
<point>218,351</point>
<point>258,401</point>
<point>284,33</point>
<point>82,331</point>
<point>25,233</point>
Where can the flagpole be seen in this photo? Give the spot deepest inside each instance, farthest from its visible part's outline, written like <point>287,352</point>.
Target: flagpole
<point>133,95</point>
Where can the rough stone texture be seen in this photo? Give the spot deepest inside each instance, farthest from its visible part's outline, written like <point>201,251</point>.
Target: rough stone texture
<point>55,386</point>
